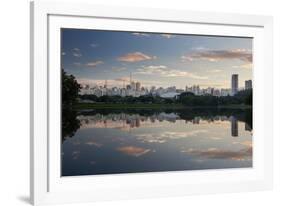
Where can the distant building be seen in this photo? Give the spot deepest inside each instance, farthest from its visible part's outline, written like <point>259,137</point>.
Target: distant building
<point>248,84</point>
<point>210,91</point>
<point>138,86</point>
<point>225,92</point>
<point>234,84</point>
<point>133,85</point>
<point>216,93</point>
<point>195,89</point>
<point>188,89</point>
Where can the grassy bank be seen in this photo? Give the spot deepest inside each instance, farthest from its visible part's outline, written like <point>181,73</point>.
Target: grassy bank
<point>152,106</point>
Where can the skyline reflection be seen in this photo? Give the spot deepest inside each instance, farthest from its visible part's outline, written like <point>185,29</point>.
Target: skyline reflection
<point>125,121</point>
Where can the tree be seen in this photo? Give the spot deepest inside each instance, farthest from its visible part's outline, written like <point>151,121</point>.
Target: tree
<point>70,90</point>
<point>245,96</point>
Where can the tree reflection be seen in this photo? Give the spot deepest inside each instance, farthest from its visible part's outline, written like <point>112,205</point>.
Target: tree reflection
<point>249,120</point>
<point>70,123</point>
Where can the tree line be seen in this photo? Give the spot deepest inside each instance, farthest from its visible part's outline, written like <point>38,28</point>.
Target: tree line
<point>185,98</point>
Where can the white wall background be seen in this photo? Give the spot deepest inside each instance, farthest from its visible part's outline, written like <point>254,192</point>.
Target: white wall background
<point>14,102</point>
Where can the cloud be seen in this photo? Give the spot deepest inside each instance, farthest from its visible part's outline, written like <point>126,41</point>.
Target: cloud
<point>133,151</point>
<point>94,45</point>
<point>246,143</point>
<point>199,48</point>
<point>215,71</point>
<point>168,36</point>
<point>77,64</point>
<point>214,153</point>
<point>219,55</point>
<point>159,69</point>
<point>118,69</point>
<point>164,71</point>
<point>94,64</point>
<point>140,34</point>
<point>126,79</point>
<point>135,57</point>
<point>244,66</point>
<point>76,52</point>
<point>89,64</point>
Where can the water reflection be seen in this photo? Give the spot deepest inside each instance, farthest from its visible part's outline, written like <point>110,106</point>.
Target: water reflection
<point>118,141</point>
<point>70,123</point>
<point>234,126</point>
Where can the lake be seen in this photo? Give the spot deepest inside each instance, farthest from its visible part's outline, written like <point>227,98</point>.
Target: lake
<point>129,141</point>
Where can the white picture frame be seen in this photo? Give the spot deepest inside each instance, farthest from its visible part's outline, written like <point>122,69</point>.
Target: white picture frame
<point>46,184</point>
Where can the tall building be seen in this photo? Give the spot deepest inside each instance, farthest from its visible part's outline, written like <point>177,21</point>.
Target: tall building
<point>248,84</point>
<point>138,86</point>
<point>234,84</point>
<point>133,85</point>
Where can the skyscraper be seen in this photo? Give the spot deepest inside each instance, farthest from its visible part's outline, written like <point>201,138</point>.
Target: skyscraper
<point>234,84</point>
<point>133,85</point>
<point>248,84</point>
<point>138,86</point>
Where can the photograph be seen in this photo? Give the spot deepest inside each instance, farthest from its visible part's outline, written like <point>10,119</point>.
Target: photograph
<point>138,102</point>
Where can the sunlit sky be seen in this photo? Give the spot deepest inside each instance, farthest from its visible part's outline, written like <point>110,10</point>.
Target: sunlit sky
<point>154,59</point>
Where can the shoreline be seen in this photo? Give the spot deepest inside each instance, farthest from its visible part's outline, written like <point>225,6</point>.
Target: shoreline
<point>154,106</point>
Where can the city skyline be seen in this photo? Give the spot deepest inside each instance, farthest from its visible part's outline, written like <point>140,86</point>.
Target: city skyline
<point>160,60</point>
<point>136,89</point>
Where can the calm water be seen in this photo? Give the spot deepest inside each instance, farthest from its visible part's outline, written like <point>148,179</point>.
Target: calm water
<point>110,142</point>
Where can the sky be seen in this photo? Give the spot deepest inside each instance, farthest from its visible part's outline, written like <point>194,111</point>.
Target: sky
<point>155,59</point>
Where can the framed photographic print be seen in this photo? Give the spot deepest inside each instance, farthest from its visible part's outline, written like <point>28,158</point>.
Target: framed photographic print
<point>134,103</point>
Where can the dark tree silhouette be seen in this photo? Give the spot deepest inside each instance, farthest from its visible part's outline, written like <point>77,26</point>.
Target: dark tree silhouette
<point>70,91</point>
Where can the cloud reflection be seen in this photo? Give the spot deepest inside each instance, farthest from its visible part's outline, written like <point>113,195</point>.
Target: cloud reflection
<point>133,151</point>
<point>215,153</point>
<point>92,143</point>
<point>165,136</point>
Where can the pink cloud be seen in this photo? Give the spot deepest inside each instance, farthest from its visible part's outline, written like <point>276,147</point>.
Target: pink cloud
<point>214,153</point>
<point>94,64</point>
<point>218,55</point>
<point>133,151</point>
<point>135,57</point>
